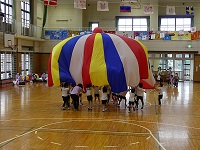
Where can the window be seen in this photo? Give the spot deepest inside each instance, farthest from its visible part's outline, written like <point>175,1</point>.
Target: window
<point>167,24</point>
<point>168,55</point>
<point>25,13</point>
<point>6,65</point>
<point>187,55</point>
<point>178,55</point>
<point>26,61</point>
<point>132,24</point>
<point>7,9</point>
<point>175,23</point>
<point>158,55</point>
<point>93,25</point>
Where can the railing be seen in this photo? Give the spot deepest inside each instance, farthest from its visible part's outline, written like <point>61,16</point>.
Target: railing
<point>12,26</point>
<point>20,29</point>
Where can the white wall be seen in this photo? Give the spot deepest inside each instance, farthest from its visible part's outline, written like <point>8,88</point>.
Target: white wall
<point>162,45</point>
<point>64,16</point>
<point>76,19</point>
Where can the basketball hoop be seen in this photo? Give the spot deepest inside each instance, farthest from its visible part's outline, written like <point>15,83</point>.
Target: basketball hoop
<point>13,47</point>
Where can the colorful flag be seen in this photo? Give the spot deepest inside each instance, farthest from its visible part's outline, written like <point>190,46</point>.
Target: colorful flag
<point>162,35</point>
<point>193,29</point>
<point>80,4</point>
<point>170,10</point>
<point>125,8</point>
<point>53,3</point>
<point>46,2</point>
<point>148,9</point>
<point>102,6</point>
<point>189,10</point>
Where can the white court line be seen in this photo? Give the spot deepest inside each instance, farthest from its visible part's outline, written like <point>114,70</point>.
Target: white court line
<point>55,143</point>
<point>149,133</point>
<point>96,119</point>
<point>86,119</point>
<point>40,138</point>
<point>81,146</point>
<point>148,137</point>
<point>110,146</point>
<point>134,143</point>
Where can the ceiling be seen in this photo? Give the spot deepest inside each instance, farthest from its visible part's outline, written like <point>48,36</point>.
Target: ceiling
<point>141,1</point>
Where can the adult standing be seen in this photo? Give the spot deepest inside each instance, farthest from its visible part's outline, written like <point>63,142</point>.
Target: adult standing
<point>75,95</point>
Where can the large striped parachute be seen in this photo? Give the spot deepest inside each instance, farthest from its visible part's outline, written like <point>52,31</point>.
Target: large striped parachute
<point>99,59</point>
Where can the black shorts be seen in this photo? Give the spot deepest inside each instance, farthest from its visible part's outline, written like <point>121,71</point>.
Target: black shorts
<point>160,96</point>
<point>96,95</point>
<point>131,103</point>
<point>104,101</point>
<point>89,98</point>
<point>113,94</point>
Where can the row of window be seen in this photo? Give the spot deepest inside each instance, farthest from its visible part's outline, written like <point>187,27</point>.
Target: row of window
<point>180,63</point>
<point>6,7</point>
<point>8,64</point>
<point>189,56</point>
<point>123,23</point>
<point>165,24</point>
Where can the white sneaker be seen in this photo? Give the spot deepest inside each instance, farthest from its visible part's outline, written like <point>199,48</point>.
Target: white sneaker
<point>103,110</point>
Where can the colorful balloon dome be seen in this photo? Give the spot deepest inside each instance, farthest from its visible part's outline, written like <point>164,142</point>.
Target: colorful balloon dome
<point>99,59</point>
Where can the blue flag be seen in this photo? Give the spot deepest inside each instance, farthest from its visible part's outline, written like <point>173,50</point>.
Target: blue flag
<point>125,8</point>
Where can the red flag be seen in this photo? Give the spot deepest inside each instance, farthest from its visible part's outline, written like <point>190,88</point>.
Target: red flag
<point>46,2</point>
<point>149,83</point>
<point>53,2</point>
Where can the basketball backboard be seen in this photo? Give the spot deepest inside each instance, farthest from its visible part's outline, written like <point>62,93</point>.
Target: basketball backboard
<point>9,40</point>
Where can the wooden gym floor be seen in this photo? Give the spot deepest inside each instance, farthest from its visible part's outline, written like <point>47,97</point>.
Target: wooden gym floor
<point>32,119</point>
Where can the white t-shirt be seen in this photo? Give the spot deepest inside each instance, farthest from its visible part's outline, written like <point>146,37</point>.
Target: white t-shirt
<point>158,78</point>
<point>104,96</point>
<point>132,96</point>
<point>88,91</point>
<point>65,91</point>
<point>96,89</point>
<point>140,91</point>
<point>160,91</point>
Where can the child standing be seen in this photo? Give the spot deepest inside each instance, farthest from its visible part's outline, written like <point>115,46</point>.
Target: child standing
<point>160,93</point>
<point>171,79</point>
<point>96,93</point>
<point>89,96</point>
<point>132,99</point>
<point>80,98</point>
<point>140,94</point>
<point>104,97</point>
<point>65,96</point>
<point>109,93</point>
<point>176,79</point>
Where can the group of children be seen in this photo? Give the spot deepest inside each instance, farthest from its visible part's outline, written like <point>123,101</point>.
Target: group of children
<point>173,80</point>
<point>76,95</point>
<point>136,95</point>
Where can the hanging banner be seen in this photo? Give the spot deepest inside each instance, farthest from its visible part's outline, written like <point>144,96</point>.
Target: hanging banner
<point>170,10</point>
<point>102,6</point>
<point>189,10</point>
<point>80,4</point>
<point>148,9</point>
